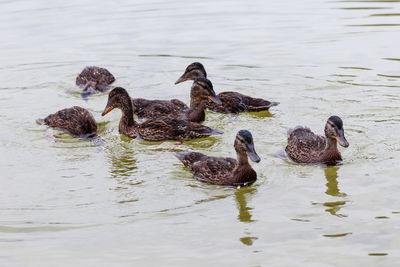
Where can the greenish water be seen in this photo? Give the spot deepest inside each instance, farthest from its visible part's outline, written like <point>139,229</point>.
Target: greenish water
<point>131,203</point>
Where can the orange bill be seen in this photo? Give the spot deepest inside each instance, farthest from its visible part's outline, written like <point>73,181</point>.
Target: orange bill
<point>106,110</point>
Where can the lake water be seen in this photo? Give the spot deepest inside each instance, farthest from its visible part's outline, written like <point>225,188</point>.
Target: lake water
<point>131,203</point>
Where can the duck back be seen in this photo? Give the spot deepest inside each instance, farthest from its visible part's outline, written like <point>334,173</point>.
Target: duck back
<point>304,146</point>
<point>75,121</point>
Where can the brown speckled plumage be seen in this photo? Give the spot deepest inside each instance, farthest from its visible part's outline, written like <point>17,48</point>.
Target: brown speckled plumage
<point>232,102</point>
<point>159,129</point>
<point>201,92</point>
<point>96,78</point>
<point>224,171</point>
<point>145,108</point>
<point>306,147</point>
<point>75,121</point>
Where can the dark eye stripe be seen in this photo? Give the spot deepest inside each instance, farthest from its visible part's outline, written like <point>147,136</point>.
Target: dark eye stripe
<point>241,139</point>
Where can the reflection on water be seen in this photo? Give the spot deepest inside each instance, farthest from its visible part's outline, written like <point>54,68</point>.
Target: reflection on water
<point>334,207</point>
<point>241,201</point>
<point>244,212</point>
<point>338,235</point>
<point>248,240</point>
<point>332,189</point>
<point>123,165</point>
<point>261,114</point>
<point>377,254</point>
<point>47,228</point>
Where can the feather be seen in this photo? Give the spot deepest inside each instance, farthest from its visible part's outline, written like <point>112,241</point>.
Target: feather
<point>155,129</point>
<point>233,102</point>
<point>144,108</point>
<point>98,79</point>
<point>75,121</point>
<point>306,147</point>
<point>223,171</point>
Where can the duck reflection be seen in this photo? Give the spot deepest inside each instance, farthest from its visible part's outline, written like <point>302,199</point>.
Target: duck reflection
<point>332,189</point>
<point>123,163</point>
<point>261,114</point>
<point>244,215</point>
<point>241,201</point>
<point>332,183</point>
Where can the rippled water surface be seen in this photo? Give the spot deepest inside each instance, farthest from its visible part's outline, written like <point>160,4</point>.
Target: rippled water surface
<point>131,203</point>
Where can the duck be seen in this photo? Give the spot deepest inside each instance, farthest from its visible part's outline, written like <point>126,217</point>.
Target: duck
<point>75,121</point>
<point>94,79</point>
<point>306,147</point>
<point>224,171</point>
<point>232,102</point>
<point>157,129</point>
<point>202,89</point>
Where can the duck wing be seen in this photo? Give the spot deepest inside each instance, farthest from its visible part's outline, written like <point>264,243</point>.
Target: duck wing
<point>304,146</point>
<point>189,158</point>
<point>233,102</point>
<point>75,121</point>
<point>144,108</point>
<point>165,128</point>
<point>209,169</point>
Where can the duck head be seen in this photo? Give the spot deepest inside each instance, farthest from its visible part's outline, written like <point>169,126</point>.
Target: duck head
<point>193,71</point>
<point>334,130</point>
<point>244,144</point>
<point>202,88</point>
<point>118,98</point>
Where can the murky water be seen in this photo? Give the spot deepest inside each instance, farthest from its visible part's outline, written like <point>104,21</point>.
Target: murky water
<point>128,202</point>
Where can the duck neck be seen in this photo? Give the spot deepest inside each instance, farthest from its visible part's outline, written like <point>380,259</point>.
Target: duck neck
<point>196,110</point>
<point>331,152</point>
<point>331,144</point>
<point>242,158</point>
<point>243,174</point>
<point>127,116</point>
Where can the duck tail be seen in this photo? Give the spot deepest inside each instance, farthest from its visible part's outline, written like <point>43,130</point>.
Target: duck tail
<point>41,121</point>
<point>204,130</point>
<point>273,104</point>
<point>259,104</point>
<point>216,132</point>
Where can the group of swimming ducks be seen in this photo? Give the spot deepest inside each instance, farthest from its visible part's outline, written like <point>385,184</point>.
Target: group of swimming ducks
<point>174,120</point>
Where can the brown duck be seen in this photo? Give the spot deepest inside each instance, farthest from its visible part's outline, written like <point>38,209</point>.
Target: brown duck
<point>232,102</point>
<point>159,129</point>
<point>95,79</point>
<point>202,89</point>
<point>306,147</point>
<point>224,171</point>
<point>75,121</point>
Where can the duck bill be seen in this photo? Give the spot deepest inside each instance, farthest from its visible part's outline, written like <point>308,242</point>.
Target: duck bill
<point>181,79</point>
<point>252,153</point>
<point>215,99</point>
<point>106,110</point>
<point>341,139</point>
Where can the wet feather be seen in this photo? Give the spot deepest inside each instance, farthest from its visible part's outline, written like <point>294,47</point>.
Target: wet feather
<point>75,121</point>
<point>96,78</point>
